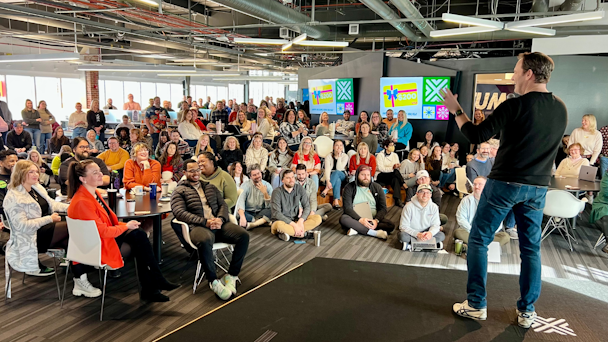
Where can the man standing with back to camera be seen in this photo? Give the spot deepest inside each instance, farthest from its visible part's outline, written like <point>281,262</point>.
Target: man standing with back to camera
<point>518,181</point>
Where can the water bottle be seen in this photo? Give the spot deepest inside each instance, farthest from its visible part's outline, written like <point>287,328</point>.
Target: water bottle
<point>116,181</point>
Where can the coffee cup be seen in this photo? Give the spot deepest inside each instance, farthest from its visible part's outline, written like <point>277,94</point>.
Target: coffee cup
<point>130,206</point>
<point>138,190</point>
<point>165,189</point>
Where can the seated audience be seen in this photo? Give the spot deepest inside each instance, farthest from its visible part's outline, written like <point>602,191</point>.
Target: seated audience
<point>200,205</point>
<point>163,138</point>
<point>363,117</point>
<point>95,146</point>
<point>589,137</point>
<point>114,157</point>
<point>308,156</point>
<point>35,224</point>
<point>429,142</point>
<point>78,122</point>
<point>278,160</point>
<point>466,212</point>
<point>424,153</point>
<point>45,172</point>
<point>58,140</point>
<point>125,123</point>
<point>146,137</point>
<point>363,190</point>
<point>56,163</point>
<point>124,138</point>
<point>204,145</point>
<point>286,201</point>
<point>420,219</point>
<point>323,126</point>
<point>221,179</point>
<point>448,169</point>
<point>390,119</point>
<point>116,237</point>
<point>265,125</point>
<point>242,122</point>
<point>253,205</point>
<point>571,167</point>
<point>364,135</point>
<point>379,129</point>
<point>18,140</point>
<point>8,159</point>
<point>363,157</point>
<point>422,177</point>
<point>410,167</point>
<point>403,131</point>
<point>293,131</point>
<point>172,162</point>
<point>310,187</point>
<point>433,165</point>
<point>135,136</point>
<point>182,147</point>
<point>189,129</point>
<point>140,170</point>
<point>230,153</point>
<point>345,126</point>
<point>256,153</point>
<point>303,118</point>
<point>80,148</point>
<point>336,168</point>
<point>387,170</point>
<point>481,165</point>
<point>494,145</point>
<point>237,173</point>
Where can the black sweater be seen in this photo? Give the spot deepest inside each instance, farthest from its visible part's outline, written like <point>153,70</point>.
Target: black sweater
<point>531,128</point>
<point>23,140</point>
<point>95,119</point>
<point>229,157</point>
<point>348,196</point>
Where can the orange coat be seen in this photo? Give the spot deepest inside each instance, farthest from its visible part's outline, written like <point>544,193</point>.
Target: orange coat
<point>85,207</point>
<point>134,176</point>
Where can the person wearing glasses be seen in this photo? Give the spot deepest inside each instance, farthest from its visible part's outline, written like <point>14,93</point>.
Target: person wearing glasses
<point>80,147</point>
<point>202,206</point>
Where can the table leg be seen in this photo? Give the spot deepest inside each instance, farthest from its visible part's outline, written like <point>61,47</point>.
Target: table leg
<point>157,238</point>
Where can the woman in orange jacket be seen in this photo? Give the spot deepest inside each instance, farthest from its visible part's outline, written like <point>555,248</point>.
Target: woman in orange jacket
<point>140,169</point>
<point>116,237</point>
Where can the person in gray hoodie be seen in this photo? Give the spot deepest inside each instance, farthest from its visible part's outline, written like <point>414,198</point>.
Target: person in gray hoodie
<point>420,219</point>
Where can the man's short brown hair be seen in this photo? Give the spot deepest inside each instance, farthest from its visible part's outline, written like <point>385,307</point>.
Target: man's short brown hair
<point>540,64</point>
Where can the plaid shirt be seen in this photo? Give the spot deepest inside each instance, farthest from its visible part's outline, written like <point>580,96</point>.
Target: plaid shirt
<point>182,147</point>
<point>604,132</point>
<point>219,115</point>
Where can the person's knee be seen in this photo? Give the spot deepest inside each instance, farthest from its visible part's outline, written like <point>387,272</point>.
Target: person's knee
<point>405,237</point>
<point>439,237</point>
<point>443,219</point>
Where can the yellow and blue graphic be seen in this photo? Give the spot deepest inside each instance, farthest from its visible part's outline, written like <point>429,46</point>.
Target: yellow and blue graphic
<point>331,95</point>
<point>419,97</point>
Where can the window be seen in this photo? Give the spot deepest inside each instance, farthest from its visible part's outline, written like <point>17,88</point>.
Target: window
<point>201,93</point>
<point>212,91</point>
<point>102,91</point>
<point>259,90</point>
<point>163,90</point>
<point>73,90</point>
<point>114,91</point>
<point>237,91</point>
<point>193,91</point>
<point>222,93</point>
<point>19,89</point>
<point>148,91</point>
<point>177,95</point>
<point>133,88</point>
<point>49,90</point>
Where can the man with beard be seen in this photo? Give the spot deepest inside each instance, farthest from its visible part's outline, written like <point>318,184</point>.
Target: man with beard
<point>80,147</point>
<point>311,190</point>
<point>201,206</point>
<point>481,165</point>
<point>286,201</point>
<point>360,191</point>
<point>253,205</point>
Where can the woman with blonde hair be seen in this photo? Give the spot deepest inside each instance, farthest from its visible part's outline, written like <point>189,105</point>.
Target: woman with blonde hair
<point>571,167</point>
<point>265,125</point>
<point>242,122</point>
<point>589,137</point>
<point>362,157</point>
<point>308,156</point>
<point>203,145</point>
<point>45,172</point>
<point>411,166</point>
<point>336,165</point>
<point>96,120</point>
<point>231,152</point>
<point>403,131</point>
<point>323,126</point>
<point>256,153</point>
<point>189,129</point>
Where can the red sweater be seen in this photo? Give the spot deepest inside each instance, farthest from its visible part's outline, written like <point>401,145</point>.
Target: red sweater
<point>352,166</point>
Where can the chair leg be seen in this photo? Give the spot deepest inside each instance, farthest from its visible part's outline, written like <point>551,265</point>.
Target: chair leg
<point>23,281</point>
<point>65,281</point>
<point>56,276</point>
<point>600,241</point>
<point>137,275</point>
<point>198,271</point>
<point>103,293</point>
<point>8,283</point>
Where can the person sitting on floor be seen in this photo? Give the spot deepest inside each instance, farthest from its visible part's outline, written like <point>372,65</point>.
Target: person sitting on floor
<point>200,205</point>
<point>360,191</point>
<point>422,177</point>
<point>309,185</point>
<point>253,205</point>
<point>286,201</point>
<point>221,179</point>
<point>481,165</point>
<point>466,212</point>
<point>387,170</point>
<point>420,219</point>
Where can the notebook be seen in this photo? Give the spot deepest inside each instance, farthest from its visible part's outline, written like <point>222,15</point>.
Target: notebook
<point>364,210</point>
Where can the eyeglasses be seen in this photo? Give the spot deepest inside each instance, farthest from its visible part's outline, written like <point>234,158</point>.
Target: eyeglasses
<point>83,147</point>
<point>425,193</point>
<point>194,171</point>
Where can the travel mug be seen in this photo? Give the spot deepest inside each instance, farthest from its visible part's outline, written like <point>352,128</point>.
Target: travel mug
<point>112,193</point>
<point>165,189</point>
<point>458,246</point>
<point>317,235</point>
<point>152,190</point>
<point>130,206</point>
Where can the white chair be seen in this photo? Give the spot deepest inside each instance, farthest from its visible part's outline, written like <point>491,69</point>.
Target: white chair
<point>53,253</point>
<point>462,181</point>
<point>84,247</point>
<point>218,246</point>
<point>324,145</point>
<point>561,206</point>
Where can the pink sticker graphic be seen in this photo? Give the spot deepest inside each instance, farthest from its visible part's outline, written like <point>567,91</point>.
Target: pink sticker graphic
<point>443,113</point>
<point>350,106</point>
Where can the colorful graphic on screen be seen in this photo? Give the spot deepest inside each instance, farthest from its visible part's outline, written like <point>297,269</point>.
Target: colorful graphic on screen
<point>331,95</point>
<point>419,97</point>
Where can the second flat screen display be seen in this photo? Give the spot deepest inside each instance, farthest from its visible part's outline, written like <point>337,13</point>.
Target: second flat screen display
<point>419,97</point>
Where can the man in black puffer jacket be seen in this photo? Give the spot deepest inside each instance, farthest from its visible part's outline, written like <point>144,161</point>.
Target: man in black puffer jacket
<point>202,207</point>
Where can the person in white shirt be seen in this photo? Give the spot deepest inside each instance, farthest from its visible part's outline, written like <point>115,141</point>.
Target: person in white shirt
<point>336,169</point>
<point>420,219</point>
<point>188,128</point>
<point>466,212</point>
<point>387,170</point>
<point>589,137</point>
<point>125,123</point>
<point>256,153</point>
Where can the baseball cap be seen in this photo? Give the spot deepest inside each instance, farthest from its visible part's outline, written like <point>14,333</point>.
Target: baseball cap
<point>422,173</point>
<point>423,187</point>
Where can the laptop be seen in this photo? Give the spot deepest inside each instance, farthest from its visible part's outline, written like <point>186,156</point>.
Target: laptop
<point>234,129</point>
<point>364,210</point>
<point>588,173</point>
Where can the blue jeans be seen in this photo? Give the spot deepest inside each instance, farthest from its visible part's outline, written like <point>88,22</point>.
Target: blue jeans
<point>43,140</point>
<point>497,199</point>
<point>447,177</point>
<point>315,179</point>
<point>35,133</point>
<point>603,164</point>
<point>275,180</point>
<point>336,179</point>
<point>510,220</point>
<point>79,132</point>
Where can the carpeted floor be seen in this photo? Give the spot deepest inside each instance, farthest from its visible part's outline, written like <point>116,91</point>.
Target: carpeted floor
<point>342,300</point>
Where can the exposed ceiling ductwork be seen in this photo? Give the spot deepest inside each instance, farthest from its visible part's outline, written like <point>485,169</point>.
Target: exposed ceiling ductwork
<point>380,8</point>
<point>410,11</point>
<point>275,12</point>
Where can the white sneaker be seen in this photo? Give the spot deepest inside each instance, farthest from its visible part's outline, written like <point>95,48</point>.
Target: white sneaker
<point>325,218</point>
<point>512,233</point>
<point>525,319</point>
<point>589,198</point>
<point>220,290</point>
<point>351,232</point>
<point>406,246</point>
<point>463,309</point>
<point>440,245</point>
<point>381,234</point>
<point>82,287</point>
<point>283,236</point>
<point>229,282</point>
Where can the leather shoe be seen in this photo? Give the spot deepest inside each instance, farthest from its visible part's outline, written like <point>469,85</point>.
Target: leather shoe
<point>114,274</point>
<point>168,286</point>
<point>154,297</point>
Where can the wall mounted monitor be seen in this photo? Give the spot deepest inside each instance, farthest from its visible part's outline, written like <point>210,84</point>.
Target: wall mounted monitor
<point>333,96</point>
<point>419,97</point>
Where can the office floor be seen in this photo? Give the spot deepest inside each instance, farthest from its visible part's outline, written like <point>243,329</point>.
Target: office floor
<point>33,314</point>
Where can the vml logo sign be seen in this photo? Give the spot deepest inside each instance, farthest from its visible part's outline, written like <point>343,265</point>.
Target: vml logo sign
<point>552,325</point>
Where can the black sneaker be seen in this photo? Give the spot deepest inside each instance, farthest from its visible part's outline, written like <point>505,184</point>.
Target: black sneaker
<point>154,297</point>
<point>43,272</point>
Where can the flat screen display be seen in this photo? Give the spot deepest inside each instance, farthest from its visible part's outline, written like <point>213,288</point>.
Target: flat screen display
<point>333,96</point>
<point>419,97</point>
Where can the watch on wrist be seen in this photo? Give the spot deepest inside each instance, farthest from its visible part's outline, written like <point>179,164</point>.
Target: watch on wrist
<point>458,112</point>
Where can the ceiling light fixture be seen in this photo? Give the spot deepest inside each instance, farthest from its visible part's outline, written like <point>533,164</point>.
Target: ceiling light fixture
<point>150,68</point>
<point>150,2</point>
<point>558,19</point>
<point>69,56</point>
<point>322,43</point>
<point>296,40</point>
<point>199,75</point>
<point>532,30</point>
<point>261,41</point>
<point>462,31</point>
<point>463,19</point>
